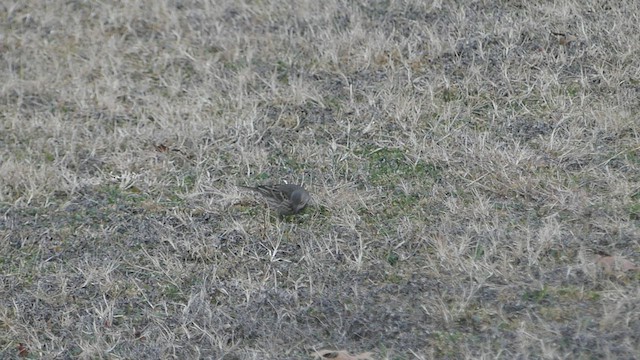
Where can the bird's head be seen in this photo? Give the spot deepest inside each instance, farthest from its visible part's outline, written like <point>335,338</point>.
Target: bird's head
<point>299,199</point>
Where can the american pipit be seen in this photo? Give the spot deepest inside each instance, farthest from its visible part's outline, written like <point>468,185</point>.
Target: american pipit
<point>286,199</point>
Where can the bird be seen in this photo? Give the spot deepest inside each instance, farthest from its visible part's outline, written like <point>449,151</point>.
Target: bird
<point>286,199</point>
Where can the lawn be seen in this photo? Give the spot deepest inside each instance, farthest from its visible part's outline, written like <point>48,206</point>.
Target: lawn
<point>474,168</point>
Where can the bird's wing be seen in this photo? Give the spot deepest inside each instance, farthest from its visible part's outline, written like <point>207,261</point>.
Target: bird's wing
<point>283,207</point>
<point>273,191</point>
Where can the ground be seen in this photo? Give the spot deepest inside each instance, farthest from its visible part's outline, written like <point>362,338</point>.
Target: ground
<point>474,167</point>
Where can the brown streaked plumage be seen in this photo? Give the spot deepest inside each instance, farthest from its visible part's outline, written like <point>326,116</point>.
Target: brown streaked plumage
<point>286,199</point>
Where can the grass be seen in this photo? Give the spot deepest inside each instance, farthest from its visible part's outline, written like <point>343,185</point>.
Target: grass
<point>469,169</point>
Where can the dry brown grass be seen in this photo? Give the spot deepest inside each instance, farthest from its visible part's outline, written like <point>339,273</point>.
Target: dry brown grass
<point>469,168</point>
